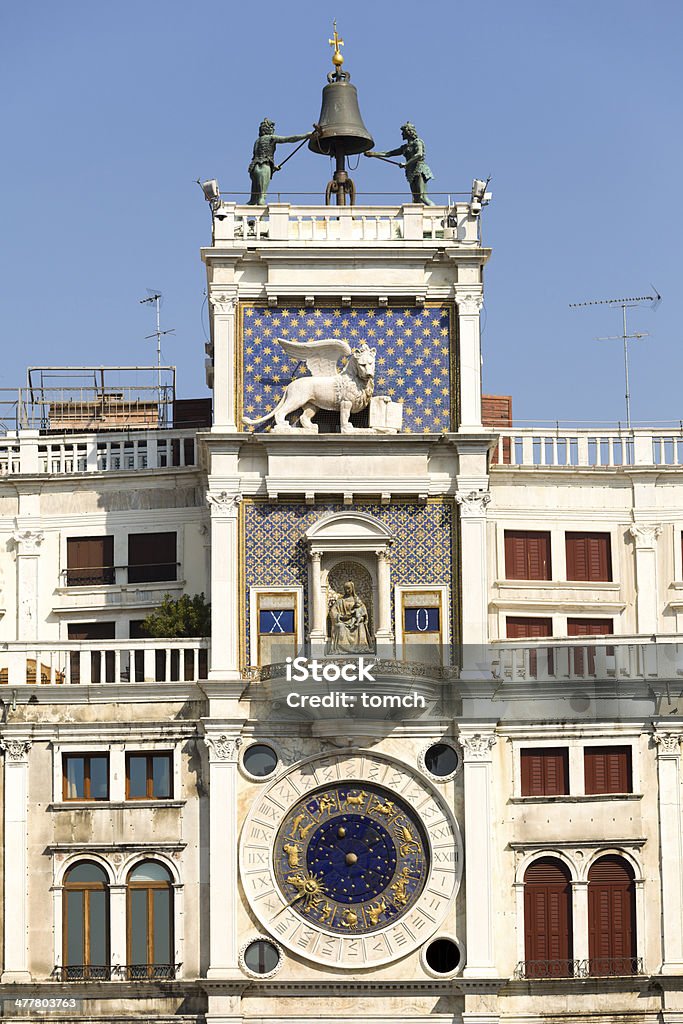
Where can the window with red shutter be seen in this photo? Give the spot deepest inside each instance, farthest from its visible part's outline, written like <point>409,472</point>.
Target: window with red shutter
<point>611,917</point>
<point>527,555</point>
<point>589,557</point>
<point>520,627</point>
<point>547,919</point>
<point>608,769</point>
<point>545,771</point>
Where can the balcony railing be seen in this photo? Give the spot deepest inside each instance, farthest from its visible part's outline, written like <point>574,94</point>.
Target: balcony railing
<point>589,658</point>
<point>595,967</point>
<point>561,447</point>
<point>27,451</point>
<point>124,972</point>
<point>281,222</point>
<point>81,662</point>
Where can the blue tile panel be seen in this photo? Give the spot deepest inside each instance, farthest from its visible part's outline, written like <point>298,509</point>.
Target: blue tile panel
<point>413,345</point>
<point>275,551</point>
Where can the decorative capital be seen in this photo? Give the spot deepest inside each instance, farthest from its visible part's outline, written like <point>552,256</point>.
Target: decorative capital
<point>28,541</point>
<point>469,303</point>
<point>645,534</point>
<point>383,554</point>
<point>224,504</point>
<point>16,751</point>
<point>224,303</point>
<point>223,747</point>
<point>476,745</point>
<point>316,556</point>
<point>474,504</point>
<point>668,744</point>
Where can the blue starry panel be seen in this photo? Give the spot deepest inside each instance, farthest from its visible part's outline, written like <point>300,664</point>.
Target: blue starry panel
<point>414,356</point>
<point>276,555</point>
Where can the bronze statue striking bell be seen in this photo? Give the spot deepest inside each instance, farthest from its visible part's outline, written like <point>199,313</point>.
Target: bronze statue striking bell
<point>341,131</point>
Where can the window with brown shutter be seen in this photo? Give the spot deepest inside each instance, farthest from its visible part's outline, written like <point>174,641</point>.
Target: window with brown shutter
<point>520,627</point>
<point>527,555</point>
<point>611,917</point>
<point>588,627</point>
<point>102,663</point>
<point>152,557</point>
<point>608,769</point>
<point>545,771</point>
<point>547,919</point>
<point>89,561</point>
<point>589,557</point>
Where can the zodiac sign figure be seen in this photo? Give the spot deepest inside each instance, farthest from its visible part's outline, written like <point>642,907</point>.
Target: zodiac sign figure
<point>356,799</point>
<point>309,888</point>
<point>386,809</point>
<point>326,803</point>
<point>326,912</point>
<point>349,918</point>
<point>305,829</point>
<point>375,912</point>
<point>406,839</point>
<point>292,851</point>
<point>400,887</point>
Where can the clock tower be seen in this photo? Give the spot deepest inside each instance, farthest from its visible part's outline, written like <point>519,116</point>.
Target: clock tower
<point>348,488</point>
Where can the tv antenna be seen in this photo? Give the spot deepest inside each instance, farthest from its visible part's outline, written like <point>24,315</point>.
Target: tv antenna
<point>625,303</point>
<point>155,297</point>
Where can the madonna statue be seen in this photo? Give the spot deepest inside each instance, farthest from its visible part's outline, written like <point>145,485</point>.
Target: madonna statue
<point>349,625</point>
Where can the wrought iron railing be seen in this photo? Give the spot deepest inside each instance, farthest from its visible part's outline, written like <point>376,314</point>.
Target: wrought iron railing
<point>118,972</point>
<point>594,967</point>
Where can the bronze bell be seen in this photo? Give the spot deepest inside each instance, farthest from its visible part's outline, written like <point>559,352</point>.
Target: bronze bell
<point>341,131</point>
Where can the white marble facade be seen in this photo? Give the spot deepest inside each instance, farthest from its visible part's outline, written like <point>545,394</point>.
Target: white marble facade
<point>215,833</point>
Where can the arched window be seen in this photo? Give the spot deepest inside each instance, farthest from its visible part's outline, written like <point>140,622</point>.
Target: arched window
<point>150,921</point>
<point>547,919</point>
<point>86,923</point>
<point>611,917</point>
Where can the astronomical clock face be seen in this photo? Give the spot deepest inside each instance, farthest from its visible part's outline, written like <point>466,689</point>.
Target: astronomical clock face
<point>351,857</point>
<point>350,860</point>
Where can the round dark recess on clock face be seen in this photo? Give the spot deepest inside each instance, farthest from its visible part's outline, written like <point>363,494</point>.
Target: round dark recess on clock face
<point>259,760</point>
<point>441,759</point>
<point>261,957</point>
<point>442,956</point>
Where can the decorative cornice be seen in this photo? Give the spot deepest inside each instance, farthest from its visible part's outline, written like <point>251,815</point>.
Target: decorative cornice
<point>477,745</point>
<point>28,541</point>
<point>474,504</point>
<point>16,751</point>
<point>223,747</point>
<point>224,504</point>
<point>645,535</point>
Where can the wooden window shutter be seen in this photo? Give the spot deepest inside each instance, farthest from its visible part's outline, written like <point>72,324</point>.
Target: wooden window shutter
<point>547,918</point>
<point>152,557</point>
<point>589,557</point>
<point>611,917</point>
<point>545,772</point>
<point>608,770</point>
<point>527,555</point>
<point>520,627</point>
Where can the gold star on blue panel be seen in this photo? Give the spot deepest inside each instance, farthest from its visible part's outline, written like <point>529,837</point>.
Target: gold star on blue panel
<point>413,351</point>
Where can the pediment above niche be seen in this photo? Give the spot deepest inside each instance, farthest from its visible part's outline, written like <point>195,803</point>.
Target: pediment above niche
<point>334,528</point>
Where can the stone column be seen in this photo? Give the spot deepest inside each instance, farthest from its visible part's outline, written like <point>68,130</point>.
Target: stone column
<point>647,599</point>
<point>383,630</point>
<point>118,947</point>
<point>479,881</point>
<point>16,859</point>
<point>225,622</point>
<point>27,543</point>
<point>469,303</point>
<point>474,597</point>
<point>224,314</point>
<point>580,919</point>
<point>671,852</point>
<point>317,635</point>
<point>223,745</point>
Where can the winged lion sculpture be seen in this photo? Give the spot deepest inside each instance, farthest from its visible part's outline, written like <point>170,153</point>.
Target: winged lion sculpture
<point>348,390</point>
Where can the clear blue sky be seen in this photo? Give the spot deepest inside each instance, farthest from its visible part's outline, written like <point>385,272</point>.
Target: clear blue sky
<point>111,111</point>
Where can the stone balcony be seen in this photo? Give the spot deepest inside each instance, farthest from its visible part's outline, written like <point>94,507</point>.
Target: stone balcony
<point>598,447</point>
<point>30,452</point>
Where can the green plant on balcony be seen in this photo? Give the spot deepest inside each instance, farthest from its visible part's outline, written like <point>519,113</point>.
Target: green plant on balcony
<point>185,617</point>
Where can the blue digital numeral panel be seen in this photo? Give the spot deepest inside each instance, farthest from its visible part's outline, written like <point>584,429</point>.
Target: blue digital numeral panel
<point>276,621</point>
<point>421,620</point>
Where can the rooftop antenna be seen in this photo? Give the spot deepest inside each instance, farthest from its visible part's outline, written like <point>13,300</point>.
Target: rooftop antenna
<point>155,297</point>
<point>625,303</point>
